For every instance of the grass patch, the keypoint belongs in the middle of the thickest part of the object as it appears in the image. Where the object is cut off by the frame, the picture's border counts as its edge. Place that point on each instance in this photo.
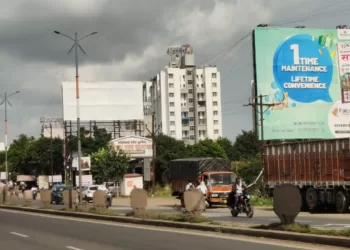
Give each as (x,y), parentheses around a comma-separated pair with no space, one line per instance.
(161,191)
(261,202)
(92,210)
(300,228)
(178,217)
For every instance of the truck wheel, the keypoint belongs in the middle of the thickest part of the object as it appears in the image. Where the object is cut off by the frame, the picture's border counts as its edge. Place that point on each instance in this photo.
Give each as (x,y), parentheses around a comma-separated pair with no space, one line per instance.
(311,198)
(341,202)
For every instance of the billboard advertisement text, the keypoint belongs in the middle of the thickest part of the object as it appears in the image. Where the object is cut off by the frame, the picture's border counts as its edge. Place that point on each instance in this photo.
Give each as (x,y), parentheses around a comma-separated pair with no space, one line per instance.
(305,74)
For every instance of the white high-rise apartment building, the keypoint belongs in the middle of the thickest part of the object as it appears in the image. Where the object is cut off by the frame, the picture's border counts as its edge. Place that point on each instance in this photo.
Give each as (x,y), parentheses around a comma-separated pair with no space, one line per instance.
(186,99)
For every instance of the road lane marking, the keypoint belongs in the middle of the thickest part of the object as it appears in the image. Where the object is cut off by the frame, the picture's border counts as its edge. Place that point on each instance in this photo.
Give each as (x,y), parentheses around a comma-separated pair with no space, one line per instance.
(233,237)
(73,248)
(18,234)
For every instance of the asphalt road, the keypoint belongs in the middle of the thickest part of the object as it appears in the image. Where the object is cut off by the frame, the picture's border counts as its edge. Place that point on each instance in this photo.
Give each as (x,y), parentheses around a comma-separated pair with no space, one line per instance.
(261,217)
(26,231)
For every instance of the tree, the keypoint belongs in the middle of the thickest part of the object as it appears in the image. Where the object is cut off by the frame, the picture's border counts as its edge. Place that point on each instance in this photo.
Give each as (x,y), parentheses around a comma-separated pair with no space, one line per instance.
(40,156)
(167,149)
(108,164)
(207,148)
(28,155)
(18,154)
(226,144)
(246,146)
(250,169)
(89,144)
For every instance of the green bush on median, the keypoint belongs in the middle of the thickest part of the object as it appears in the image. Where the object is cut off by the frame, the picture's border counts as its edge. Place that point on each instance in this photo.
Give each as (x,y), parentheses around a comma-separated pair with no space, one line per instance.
(177,217)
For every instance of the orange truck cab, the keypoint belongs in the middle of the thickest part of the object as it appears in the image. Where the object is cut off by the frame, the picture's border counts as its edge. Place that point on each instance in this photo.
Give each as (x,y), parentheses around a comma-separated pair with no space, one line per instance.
(215,172)
(219,184)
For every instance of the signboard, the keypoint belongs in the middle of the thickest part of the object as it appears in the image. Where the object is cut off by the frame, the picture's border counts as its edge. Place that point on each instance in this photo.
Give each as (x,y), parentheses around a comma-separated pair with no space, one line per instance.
(305,75)
(85,163)
(2,175)
(25,178)
(180,50)
(86,180)
(134,146)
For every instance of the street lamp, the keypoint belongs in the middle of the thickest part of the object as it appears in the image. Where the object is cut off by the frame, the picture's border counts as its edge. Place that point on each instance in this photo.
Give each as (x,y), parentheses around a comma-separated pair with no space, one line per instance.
(6,101)
(75,46)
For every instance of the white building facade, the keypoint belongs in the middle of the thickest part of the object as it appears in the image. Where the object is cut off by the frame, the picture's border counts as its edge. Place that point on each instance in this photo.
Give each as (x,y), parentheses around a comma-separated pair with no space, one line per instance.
(186,99)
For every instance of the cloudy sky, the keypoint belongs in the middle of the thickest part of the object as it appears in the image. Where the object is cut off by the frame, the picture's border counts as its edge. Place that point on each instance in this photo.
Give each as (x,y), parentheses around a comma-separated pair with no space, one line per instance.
(131,45)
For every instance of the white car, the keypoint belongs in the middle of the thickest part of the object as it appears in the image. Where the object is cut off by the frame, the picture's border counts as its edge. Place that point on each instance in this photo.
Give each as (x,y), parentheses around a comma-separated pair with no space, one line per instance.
(88,192)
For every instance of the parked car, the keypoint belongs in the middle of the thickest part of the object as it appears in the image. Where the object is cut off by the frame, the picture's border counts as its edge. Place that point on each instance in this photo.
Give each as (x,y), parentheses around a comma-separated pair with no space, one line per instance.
(57,193)
(88,193)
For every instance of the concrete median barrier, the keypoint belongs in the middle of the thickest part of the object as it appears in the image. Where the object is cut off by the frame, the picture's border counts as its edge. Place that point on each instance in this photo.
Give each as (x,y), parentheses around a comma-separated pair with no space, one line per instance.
(288,236)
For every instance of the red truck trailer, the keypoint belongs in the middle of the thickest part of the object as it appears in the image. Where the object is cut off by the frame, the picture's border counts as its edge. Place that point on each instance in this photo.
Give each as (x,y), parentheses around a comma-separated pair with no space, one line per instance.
(320,169)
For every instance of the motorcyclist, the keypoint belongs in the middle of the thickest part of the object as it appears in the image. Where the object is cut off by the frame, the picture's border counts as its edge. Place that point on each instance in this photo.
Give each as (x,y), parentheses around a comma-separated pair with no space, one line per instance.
(237,190)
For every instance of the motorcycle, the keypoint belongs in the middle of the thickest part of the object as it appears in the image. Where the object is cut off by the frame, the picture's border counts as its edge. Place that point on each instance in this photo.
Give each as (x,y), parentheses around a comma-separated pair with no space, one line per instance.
(243,206)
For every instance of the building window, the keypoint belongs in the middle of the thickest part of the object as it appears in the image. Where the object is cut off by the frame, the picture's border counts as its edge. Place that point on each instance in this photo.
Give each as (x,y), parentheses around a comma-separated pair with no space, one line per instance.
(215,94)
(192,137)
(171,94)
(190,100)
(189,82)
(172,104)
(191,109)
(190,91)
(214,84)
(172,123)
(215,112)
(216,122)
(215,103)
(172,132)
(172,113)
(171,85)
(189,72)
(216,131)
(171,76)
(191,118)
(191,127)
(213,75)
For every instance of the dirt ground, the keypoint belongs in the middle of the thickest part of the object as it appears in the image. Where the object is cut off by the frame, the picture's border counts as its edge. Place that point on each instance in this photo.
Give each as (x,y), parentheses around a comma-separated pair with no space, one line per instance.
(152,202)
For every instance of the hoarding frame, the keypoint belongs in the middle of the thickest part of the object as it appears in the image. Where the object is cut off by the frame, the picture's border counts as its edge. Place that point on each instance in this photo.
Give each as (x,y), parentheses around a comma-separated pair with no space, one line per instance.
(334,80)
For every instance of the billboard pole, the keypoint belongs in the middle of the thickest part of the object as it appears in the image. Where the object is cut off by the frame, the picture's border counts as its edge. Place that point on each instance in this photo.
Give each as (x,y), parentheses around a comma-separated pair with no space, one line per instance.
(75,46)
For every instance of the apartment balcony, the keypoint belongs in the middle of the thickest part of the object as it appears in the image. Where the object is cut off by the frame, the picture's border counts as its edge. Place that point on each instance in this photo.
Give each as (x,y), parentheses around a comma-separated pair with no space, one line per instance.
(201,98)
(200,90)
(186,127)
(185,118)
(201,108)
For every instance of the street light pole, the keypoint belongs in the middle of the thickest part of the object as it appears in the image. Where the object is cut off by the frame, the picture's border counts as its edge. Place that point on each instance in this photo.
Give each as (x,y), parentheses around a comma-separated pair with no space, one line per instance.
(6,101)
(75,46)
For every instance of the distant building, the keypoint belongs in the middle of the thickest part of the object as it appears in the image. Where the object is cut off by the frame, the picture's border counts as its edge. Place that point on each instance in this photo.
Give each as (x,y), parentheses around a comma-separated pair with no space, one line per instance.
(186,99)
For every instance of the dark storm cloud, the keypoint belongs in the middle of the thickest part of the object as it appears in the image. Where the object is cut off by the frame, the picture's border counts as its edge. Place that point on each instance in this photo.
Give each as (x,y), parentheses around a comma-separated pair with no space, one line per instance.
(131,45)
(123,28)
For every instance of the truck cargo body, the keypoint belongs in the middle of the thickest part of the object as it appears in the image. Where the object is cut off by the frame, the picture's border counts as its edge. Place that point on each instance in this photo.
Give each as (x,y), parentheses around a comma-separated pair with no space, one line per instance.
(216,173)
(321,170)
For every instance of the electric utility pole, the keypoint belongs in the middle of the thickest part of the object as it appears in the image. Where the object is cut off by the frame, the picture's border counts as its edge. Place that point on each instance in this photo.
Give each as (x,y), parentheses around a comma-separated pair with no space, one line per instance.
(261,111)
(75,46)
(44,122)
(153,134)
(6,101)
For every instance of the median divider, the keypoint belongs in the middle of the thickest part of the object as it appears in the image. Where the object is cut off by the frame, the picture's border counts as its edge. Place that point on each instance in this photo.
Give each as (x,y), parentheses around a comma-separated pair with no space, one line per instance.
(261,233)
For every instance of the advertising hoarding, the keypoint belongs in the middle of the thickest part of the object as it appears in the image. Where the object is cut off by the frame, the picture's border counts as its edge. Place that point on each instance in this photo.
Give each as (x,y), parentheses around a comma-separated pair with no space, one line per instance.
(305,73)
(85,163)
(103,101)
(134,146)
(86,180)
